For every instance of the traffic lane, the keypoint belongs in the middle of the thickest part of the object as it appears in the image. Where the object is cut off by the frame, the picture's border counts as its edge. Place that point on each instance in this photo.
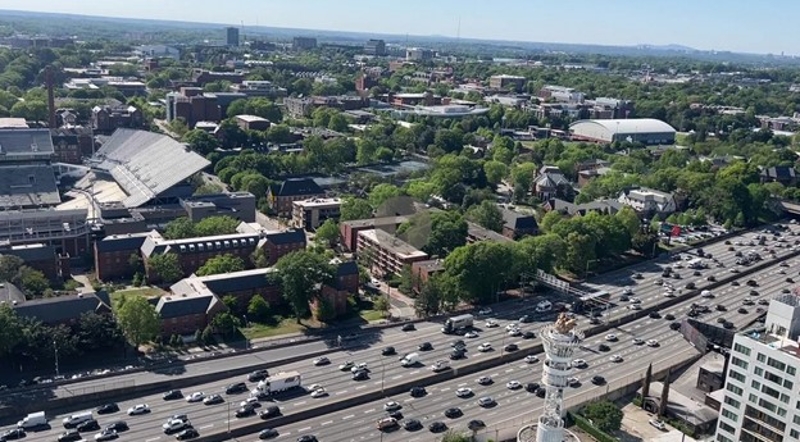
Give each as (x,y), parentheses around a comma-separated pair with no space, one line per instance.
(442,396)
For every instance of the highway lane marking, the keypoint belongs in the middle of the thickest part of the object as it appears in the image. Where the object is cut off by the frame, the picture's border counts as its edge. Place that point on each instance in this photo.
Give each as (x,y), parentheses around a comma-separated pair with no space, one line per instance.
(205,426)
(445,389)
(343,392)
(397,377)
(300,403)
(361,387)
(303,430)
(327,423)
(153,438)
(349,416)
(415,372)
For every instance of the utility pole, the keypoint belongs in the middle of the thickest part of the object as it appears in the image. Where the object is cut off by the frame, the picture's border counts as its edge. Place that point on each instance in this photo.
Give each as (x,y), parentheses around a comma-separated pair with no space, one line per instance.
(55,348)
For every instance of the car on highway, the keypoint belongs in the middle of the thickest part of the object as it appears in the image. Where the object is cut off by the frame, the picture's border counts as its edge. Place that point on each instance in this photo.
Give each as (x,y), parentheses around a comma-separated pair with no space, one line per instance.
(654,315)
(634,307)
(437,427)
(254,401)
(418,391)
(638,341)
(138,409)
(603,347)
(412,425)
(458,344)
(106,435)
(69,436)
(486,346)
(117,426)
(531,359)
(268,433)
(652,343)
(743,311)
(598,380)
(347,365)
(247,410)
(388,351)
(408,327)
(615,358)
(361,366)
(475,425)
(235,388)
(486,401)
(322,360)
(525,319)
(529,335)
(425,346)
(511,347)
(669,317)
(490,323)
(392,406)
(13,434)
(269,411)
(175,425)
(360,375)
(189,433)
(458,354)
(532,387)
(108,408)
(197,396)
(386,423)
(573,381)
(512,326)
(514,332)
(485,311)
(257,375)
(90,425)
(440,365)
(453,413)
(172,395)
(690,285)
(213,399)
(464,392)
(485,380)
(513,385)
(611,337)
(319,392)
(657,423)
(471,335)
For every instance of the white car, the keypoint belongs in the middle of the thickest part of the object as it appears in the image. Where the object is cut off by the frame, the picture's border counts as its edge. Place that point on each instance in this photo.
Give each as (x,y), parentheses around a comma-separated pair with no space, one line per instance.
(173,425)
(579,363)
(346,366)
(573,381)
(359,367)
(513,385)
(652,343)
(319,392)
(514,332)
(440,366)
(615,358)
(250,401)
(490,323)
(391,406)
(512,326)
(635,300)
(634,307)
(658,424)
(627,291)
(638,341)
(195,397)
(471,335)
(313,387)
(531,359)
(485,311)
(669,294)
(106,435)
(611,337)
(138,409)
(485,380)
(464,392)
(322,361)
(486,346)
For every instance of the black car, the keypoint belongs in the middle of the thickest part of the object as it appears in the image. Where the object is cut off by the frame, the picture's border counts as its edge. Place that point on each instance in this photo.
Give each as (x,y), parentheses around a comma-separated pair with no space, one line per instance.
(511,347)
(258,375)
(360,375)
(108,408)
(721,308)
(637,276)
(532,387)
(457,354)
(117,426)
(528,335)
(412,425)
(735,283)
(307,438)
(69,436)
(669,317)
(598,380)
(90,425)
(624,298)
(388,351)
(270,411)
(526,319)
(173,395)
(721,320)
(711,278)
(541,392)
(675,326)
(396,414)
(458,343)
(752,283)
(690,285)
(239,387)
(418,391)
(595,321)
(743,311)
(425,346)
(475,425)
(13,434)
(408,327)
(268,433)
(603,347)
(437,427)
(453,412)
(728,325)
(790,280)
(696,273)
(655,315)
(247,410)
(189,433)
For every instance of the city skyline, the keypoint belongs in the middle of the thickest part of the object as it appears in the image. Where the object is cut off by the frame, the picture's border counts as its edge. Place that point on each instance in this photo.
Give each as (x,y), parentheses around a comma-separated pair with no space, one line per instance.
(623,23)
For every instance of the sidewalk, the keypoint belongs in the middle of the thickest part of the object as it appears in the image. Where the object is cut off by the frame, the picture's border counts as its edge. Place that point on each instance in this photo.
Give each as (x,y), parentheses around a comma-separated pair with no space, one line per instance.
(402,305)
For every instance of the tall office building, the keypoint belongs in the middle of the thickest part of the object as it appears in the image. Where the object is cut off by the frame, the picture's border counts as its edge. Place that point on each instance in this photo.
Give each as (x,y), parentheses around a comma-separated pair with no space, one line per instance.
(233,36)
(761,402)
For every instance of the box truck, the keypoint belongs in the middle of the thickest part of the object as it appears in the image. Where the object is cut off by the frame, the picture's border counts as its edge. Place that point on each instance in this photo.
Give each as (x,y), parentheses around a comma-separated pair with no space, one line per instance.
(452,324)
(33,420)
(280,382)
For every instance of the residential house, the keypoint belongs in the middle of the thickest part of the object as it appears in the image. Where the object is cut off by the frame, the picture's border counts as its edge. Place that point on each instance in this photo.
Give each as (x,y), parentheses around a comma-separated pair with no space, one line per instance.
(476,233)
(648,201)
(516,225)
(281,196)
(605,206)
(65,309)
(550,182)
(785,175)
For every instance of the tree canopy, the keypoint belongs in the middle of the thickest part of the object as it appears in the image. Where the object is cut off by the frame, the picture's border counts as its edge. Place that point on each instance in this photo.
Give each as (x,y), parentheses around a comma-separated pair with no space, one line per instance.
(301,275)
(138,320)
(225,263)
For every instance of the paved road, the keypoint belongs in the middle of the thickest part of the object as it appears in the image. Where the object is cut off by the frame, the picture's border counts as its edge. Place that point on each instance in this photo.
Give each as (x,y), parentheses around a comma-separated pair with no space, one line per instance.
(339,385)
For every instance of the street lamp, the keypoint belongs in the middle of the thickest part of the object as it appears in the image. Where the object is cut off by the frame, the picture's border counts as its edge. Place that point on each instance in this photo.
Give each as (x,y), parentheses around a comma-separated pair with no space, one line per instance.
(55,348)
(246,341)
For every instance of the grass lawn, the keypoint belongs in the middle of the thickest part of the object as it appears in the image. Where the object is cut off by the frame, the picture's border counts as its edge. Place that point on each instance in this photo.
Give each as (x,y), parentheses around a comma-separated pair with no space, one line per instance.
(147,292)
(285,326)
(370,315)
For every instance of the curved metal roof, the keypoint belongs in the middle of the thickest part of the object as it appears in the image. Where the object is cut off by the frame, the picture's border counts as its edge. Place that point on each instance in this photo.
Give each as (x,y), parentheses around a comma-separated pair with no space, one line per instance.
(628,126)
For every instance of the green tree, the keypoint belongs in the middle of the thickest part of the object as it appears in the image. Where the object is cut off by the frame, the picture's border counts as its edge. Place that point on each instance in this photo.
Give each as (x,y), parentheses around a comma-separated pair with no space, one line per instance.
(94,332)
(338,122)
(469,266)
(198,337)
(258,309)
(549,220)
(259,258)
(10,329)
(448,231)
(34,110)
(454,436)
(327,234)
(488,215)
(324,310)
(226,324)
(382,193)
(225,263)
(605,416)
(179,228)
(201,141)
(231,303)
(9,266)
(138,320)
(495,171)
(208,189)
(630,220)
(31,281)
(301,274)
(167,267)
(216,225)
(382,305)
(355,208)
(580,253)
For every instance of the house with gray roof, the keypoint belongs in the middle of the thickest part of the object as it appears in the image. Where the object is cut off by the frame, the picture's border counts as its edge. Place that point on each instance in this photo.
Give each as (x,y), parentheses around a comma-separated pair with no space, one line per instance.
(64,309)
(603,206)
(188,310)
(517,225)
(281,196)
(549,182)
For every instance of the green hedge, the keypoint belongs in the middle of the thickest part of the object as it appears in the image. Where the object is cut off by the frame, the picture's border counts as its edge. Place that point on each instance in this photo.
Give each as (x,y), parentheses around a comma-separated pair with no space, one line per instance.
(586,426)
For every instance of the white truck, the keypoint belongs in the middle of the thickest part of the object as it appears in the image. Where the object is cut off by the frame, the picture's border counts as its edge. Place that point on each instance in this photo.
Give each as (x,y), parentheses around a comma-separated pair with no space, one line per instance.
(452,324)
(279,382)
(409,360)
(33,420)
(544,306)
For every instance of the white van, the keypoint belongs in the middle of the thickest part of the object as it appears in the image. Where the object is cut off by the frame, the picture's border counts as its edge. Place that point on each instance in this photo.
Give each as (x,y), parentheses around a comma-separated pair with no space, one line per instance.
(409,359)
(76,419)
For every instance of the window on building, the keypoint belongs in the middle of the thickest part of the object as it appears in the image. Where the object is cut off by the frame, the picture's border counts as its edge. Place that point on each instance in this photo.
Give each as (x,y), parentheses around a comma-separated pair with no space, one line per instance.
(732,402)
(726,427)
(737,391)
(721,438)
(794,434)
(763,403)
(759,371)
(738,362)
(776,363)
(791,370)
(736,375)
(761,357)
(770,391)
(788,384)
(772,377)
(756,385)
(729,414)
(739,348)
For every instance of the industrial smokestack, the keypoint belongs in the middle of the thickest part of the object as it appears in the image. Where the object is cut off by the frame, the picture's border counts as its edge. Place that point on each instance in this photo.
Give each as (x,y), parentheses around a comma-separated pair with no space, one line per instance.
(51,100)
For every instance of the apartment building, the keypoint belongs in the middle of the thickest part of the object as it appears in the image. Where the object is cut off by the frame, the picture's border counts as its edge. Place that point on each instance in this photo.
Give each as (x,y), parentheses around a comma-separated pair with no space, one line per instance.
(504,81)
(375,47)
(644,200)
(561,94)
(349,230)
(303,107)
(384,253)
(311,213)
(107,119)
(282,196)
(112,255)
(762,403)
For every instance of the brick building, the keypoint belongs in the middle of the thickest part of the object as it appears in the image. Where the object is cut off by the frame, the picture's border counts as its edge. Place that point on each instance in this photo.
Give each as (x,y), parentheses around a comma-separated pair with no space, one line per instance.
(112,254)
(41,257)
(185,313)
(345,284)
(202,77)
(281,196)
(107,119)
(503,81)
(312,213)
(72,144)
(384,253)
(303,107)
(349,229)
(65,309)
(421,272)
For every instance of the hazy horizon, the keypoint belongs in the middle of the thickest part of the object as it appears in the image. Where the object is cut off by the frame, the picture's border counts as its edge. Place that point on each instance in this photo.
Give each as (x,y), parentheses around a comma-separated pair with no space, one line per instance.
(703,26)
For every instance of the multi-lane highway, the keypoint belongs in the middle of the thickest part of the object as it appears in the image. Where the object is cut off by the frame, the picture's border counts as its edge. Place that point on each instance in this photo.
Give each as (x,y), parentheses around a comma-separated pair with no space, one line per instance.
(386,371)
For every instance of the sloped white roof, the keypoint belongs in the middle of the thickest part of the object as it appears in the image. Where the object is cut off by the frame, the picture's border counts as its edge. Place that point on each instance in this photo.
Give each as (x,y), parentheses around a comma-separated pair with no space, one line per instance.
(145,164)
(628,126)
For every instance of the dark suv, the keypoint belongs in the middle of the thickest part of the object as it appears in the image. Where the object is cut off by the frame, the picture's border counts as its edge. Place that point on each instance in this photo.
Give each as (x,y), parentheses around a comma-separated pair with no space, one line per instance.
(238,387)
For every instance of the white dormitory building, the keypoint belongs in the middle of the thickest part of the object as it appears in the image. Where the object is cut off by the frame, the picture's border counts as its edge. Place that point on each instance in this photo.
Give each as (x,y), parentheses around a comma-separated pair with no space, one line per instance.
(762,387)
(643,199)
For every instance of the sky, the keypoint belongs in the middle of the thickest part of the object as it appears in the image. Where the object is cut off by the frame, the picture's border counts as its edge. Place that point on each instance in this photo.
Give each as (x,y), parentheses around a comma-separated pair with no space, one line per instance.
(734,25)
